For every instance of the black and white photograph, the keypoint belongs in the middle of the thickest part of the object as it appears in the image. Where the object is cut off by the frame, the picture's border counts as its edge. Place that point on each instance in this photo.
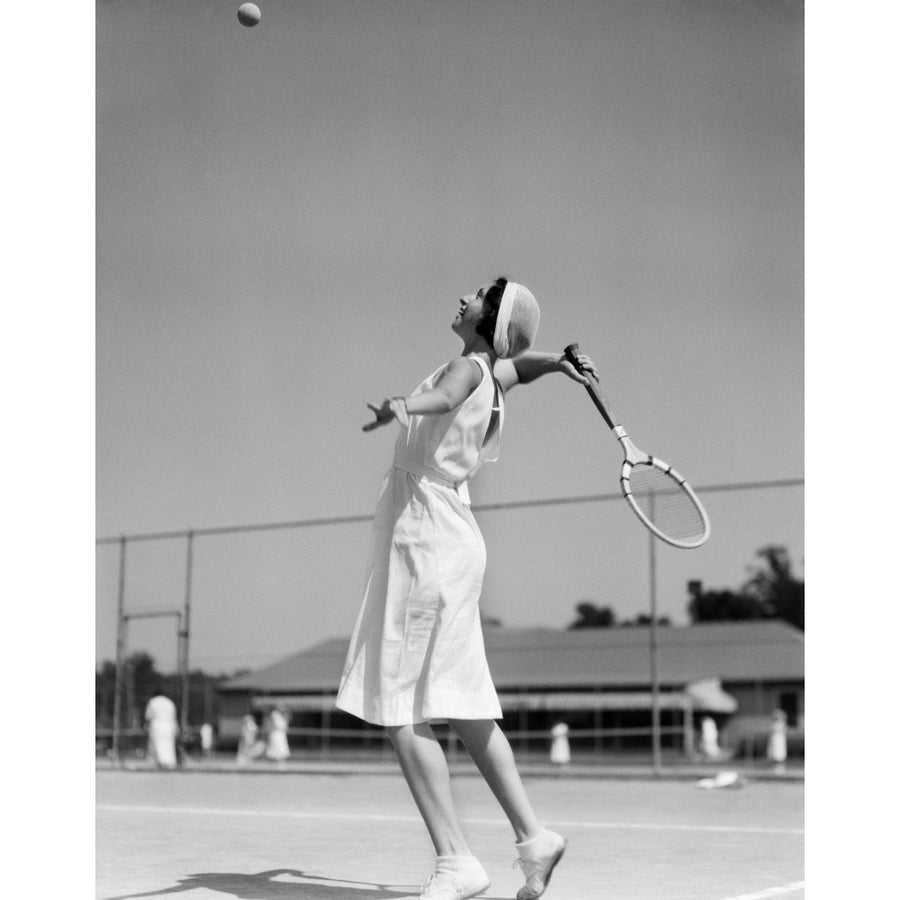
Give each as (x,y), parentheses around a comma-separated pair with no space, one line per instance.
(449,449)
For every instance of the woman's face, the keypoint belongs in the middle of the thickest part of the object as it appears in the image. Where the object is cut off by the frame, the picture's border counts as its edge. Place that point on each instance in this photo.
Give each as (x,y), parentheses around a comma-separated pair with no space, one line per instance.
(470,311)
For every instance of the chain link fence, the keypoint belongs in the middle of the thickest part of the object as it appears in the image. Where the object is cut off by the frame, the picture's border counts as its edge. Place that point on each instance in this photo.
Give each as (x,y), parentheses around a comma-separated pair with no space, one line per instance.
(202,599)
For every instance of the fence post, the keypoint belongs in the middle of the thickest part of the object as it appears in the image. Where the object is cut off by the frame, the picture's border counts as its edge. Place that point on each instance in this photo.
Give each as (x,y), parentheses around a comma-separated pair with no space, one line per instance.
(185,636)
(687,714)
(120,652)
(325,739)
(654,672)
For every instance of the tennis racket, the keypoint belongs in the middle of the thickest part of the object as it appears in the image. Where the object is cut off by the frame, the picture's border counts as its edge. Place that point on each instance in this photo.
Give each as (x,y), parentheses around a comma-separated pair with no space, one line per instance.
(659,496)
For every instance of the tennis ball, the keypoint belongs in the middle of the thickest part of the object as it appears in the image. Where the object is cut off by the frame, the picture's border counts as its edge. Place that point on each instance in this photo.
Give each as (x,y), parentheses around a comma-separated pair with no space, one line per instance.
(249,14)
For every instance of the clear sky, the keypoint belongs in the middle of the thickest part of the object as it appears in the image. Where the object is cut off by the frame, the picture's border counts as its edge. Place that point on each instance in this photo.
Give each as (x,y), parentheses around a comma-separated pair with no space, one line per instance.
(287,216)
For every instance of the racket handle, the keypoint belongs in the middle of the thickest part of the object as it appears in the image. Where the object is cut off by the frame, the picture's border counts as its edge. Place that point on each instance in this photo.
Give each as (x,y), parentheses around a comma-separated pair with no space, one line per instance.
(571,355)
(593,389)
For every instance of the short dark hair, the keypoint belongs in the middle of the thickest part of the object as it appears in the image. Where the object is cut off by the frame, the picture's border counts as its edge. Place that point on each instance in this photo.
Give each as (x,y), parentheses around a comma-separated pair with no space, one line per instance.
(490,308)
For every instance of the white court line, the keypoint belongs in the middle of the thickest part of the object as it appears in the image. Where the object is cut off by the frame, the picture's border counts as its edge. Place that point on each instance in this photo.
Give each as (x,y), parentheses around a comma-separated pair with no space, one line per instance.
(293,814)
(771,892)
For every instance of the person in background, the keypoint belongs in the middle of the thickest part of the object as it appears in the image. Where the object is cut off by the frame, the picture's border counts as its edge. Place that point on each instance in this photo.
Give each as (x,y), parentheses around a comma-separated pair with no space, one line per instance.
(709,738)
(777,748)
(207,739)
(162,731)
(277,748)
(560,754)
(249,746)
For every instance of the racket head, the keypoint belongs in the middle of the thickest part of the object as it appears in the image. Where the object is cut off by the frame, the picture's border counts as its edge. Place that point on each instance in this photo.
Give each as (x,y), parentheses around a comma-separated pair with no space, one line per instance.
(664,501)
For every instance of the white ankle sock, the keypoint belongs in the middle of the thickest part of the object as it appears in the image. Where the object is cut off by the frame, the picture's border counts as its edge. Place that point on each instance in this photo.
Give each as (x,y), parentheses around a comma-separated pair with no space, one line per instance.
(540,843)
(531,843)
(455,863)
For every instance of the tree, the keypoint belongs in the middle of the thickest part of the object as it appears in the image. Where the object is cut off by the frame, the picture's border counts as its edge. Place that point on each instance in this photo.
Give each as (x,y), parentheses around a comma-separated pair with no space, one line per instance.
(141,680)
(775,587)
(144,677)
(105,693)
(718,606)
(644,619)
(771,592)
(591,616)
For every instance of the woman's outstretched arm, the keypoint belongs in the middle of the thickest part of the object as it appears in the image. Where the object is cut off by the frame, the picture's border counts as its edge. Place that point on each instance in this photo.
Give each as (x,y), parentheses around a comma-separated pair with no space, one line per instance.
(534,363)
(458,381)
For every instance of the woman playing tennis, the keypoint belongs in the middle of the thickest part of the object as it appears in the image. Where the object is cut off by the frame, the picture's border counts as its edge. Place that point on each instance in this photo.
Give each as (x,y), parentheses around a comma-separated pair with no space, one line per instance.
(417,652)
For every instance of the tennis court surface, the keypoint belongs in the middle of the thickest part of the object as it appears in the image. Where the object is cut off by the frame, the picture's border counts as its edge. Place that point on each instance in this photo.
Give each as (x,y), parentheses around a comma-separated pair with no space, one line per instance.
(291,836)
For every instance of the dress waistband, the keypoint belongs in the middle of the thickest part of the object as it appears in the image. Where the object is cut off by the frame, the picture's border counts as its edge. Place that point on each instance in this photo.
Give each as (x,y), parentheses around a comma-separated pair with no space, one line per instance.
(415,468)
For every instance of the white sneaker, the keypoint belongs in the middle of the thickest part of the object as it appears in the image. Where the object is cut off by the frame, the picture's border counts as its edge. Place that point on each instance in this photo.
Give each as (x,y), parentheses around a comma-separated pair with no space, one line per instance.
(457,882)
(538,857)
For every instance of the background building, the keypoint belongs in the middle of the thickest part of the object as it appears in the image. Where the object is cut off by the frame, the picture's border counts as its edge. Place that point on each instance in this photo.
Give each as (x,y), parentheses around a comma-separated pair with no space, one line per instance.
(597,680)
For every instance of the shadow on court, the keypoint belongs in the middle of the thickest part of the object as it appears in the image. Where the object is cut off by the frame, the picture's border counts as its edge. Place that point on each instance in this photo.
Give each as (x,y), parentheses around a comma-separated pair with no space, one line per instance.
(261,886)
(202,836)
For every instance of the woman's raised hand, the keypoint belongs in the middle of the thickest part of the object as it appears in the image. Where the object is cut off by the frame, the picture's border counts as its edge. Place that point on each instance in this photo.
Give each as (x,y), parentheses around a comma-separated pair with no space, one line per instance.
(585,362)
(383,415)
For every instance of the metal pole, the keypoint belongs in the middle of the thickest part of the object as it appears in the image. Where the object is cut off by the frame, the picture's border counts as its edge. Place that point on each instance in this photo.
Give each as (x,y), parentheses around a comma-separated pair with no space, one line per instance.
(654,672)
(120,652)
(185,636)
(687,721)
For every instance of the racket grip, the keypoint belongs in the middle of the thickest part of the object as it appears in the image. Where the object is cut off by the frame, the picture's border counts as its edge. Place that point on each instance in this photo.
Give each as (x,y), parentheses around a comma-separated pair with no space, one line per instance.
(571,353)
(593,389)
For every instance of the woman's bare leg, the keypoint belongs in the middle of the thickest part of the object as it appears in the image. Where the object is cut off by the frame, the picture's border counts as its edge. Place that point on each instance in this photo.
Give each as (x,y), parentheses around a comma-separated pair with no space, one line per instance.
(425,769)
(490,749)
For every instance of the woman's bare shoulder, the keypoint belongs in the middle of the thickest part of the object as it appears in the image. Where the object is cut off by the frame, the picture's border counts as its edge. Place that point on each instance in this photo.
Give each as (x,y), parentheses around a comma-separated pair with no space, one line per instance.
(505,372)
(463,369)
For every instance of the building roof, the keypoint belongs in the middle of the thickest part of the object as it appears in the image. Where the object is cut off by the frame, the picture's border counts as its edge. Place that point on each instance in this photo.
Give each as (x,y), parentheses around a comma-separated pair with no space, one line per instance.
(595,658)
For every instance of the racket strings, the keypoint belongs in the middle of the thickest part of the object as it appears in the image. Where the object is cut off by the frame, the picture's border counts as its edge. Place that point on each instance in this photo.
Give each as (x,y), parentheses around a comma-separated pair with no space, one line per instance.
(666,504)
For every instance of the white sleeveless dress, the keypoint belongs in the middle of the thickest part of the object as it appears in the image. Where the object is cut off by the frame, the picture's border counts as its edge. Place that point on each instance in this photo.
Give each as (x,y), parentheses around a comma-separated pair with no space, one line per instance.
(417,651)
